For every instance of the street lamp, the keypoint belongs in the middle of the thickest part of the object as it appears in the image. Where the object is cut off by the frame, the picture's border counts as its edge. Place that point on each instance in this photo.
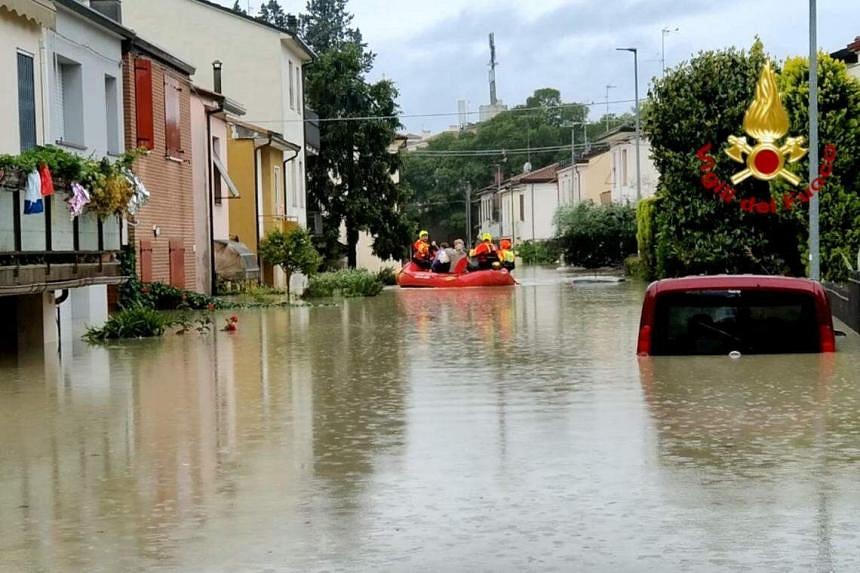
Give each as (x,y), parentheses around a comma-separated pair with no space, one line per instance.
(636,91)
(608,87)
(814,253)
(663,33)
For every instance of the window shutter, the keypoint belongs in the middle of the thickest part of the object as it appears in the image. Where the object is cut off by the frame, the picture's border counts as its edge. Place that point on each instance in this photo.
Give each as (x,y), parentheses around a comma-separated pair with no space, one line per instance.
(143,103)
(172,135)
(60,128)
(26,102)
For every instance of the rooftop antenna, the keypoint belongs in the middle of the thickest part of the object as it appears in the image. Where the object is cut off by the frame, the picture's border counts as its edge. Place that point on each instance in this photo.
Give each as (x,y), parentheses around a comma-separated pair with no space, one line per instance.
(492,69)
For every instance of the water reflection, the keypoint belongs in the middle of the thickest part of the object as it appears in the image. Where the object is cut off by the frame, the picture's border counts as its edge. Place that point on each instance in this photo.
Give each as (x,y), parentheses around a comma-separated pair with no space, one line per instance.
(478,429)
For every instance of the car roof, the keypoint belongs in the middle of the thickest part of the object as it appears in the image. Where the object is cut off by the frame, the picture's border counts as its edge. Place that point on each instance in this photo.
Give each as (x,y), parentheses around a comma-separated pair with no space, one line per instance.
(719,282)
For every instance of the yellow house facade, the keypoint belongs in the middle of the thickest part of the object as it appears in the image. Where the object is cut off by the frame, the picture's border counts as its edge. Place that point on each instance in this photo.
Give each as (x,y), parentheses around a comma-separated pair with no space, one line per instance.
(257,166)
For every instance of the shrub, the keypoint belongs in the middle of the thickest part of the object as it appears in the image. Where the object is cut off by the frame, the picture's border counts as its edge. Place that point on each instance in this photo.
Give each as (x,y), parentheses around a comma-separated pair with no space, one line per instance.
(134,322)
(634,267)
(292,250)
(646,263)
(387,276)
(347,283)
(596,235)
(539,252)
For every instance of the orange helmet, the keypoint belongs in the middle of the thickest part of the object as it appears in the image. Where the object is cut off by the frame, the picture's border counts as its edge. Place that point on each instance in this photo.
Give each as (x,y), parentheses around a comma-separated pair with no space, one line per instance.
(505,244)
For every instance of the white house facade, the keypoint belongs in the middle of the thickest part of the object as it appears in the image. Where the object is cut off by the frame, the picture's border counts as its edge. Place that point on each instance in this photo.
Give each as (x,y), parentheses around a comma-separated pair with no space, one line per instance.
(261,67)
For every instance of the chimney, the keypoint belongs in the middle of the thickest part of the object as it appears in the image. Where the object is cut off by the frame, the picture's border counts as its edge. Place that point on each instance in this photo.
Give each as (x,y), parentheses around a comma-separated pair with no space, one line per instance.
(216,72)
(292,24)
(110,8)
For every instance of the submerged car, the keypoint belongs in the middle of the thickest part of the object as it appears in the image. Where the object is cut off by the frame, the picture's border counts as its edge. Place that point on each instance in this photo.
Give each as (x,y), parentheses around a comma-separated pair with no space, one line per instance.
(746,314)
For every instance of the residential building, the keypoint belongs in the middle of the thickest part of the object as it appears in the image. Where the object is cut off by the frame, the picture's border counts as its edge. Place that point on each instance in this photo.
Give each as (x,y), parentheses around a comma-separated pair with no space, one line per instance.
(257,161)
(262,67)
(622,150)
(594,182)
(849,54)
(214,189)
(523,207)
(157,107)
(69,68)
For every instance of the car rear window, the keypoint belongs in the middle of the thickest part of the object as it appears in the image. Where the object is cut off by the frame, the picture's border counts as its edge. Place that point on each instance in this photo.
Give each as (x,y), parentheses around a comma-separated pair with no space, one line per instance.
(722,321)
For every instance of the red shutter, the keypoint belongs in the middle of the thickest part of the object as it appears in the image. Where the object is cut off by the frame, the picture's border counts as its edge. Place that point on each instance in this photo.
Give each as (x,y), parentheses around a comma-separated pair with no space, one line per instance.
(143,103)
(177,264)
(145,261)
(173,140)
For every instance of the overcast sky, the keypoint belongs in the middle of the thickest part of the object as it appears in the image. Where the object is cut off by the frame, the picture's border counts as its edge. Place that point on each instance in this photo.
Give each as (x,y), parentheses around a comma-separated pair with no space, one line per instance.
(437,51)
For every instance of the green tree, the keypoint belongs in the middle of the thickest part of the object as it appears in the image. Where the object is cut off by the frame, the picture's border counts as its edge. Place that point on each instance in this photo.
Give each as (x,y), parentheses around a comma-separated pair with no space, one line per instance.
(839,125)
(292,250)
(704,101)
(272,13)
(238,9)
(352,177)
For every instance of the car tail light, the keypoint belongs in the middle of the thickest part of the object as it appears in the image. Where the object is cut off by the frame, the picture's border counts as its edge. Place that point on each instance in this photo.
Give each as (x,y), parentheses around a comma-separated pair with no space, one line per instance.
(643,348)
(827,338)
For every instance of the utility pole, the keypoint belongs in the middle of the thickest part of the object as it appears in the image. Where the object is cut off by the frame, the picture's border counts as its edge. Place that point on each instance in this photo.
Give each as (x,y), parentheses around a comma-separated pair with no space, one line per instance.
(663,33)
(636,91)
(468,215)
(814,249)
(608,87)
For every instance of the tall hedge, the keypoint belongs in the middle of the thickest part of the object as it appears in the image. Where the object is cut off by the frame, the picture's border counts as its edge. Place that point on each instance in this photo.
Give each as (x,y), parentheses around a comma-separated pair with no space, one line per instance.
(704,101)
(595,236)
(646,212)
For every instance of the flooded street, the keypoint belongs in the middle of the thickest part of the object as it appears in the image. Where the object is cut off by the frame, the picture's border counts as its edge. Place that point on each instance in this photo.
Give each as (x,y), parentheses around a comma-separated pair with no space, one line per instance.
(499,429)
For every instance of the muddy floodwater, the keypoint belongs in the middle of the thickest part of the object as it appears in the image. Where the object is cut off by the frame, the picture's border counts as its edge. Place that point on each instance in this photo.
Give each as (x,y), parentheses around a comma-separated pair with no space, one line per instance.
(504,429)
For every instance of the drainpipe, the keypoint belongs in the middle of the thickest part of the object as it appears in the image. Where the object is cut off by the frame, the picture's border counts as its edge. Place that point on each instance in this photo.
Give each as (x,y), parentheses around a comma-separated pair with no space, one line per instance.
(286,203)
(210,183)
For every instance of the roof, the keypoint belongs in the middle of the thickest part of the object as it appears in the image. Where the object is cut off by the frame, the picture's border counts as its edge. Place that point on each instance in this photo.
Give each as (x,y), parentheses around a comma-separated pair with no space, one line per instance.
(97,17)
(620,133)
(721,282)
(298,39)
(848,54)
(230,105)
(139,44)
(542,175)
(251,131)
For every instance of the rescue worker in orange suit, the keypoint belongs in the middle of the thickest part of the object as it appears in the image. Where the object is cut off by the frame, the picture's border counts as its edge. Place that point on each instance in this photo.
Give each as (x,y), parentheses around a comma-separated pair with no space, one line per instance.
(484,255)
(422,254)
(506,255)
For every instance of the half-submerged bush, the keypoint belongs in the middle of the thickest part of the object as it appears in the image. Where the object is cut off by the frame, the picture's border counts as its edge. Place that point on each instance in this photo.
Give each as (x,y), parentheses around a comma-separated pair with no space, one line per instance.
(387,276)
(539,252)
(597,235)
(135,322)
(346,283)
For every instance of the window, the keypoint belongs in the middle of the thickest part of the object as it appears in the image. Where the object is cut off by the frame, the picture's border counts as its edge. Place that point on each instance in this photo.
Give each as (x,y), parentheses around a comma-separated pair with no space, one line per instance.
(26,102)
(718,322)
(143,103)
(301,189)
(295,180)
(172,117)
(624,180)
(277,201)
(292,94)
(69,102)
(522,207)
(112,116)
(216,173)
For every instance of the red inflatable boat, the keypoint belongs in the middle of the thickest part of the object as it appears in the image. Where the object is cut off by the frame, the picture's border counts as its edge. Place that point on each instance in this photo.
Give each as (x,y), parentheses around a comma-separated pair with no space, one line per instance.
(412,276)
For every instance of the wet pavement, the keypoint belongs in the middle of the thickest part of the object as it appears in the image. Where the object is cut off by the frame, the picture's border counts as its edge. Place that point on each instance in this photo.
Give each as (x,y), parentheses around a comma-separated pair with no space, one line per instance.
(500,429)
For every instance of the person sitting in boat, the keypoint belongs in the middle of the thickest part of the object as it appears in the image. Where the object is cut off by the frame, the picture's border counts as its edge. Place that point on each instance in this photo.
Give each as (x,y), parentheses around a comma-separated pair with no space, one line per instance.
(458,254)
(506,255)
(421,252)
(484,255)
(442,260)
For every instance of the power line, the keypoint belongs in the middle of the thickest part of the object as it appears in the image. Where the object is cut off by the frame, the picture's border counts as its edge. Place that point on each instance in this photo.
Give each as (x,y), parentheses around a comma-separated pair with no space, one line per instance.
(427,115)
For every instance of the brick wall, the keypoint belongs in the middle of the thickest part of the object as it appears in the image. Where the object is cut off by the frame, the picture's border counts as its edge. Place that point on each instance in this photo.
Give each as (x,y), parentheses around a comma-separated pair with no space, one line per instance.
(168,180)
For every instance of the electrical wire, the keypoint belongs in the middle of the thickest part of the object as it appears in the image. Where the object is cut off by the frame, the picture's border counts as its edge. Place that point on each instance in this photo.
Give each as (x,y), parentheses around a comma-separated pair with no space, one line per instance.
(427,115)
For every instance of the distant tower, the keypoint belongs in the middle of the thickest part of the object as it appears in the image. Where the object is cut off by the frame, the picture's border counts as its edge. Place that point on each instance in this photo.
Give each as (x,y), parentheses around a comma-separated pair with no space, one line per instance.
(492,69)
(462,112)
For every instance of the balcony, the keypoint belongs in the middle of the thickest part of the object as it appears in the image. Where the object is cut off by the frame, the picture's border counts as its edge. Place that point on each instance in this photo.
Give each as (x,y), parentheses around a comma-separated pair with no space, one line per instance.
(49,251)
(312,132)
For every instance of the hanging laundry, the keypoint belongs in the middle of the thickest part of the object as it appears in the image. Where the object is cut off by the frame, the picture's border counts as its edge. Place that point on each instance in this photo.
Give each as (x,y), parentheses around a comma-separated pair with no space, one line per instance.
(80,198)
(139,197)
(33,194)
(46,180)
